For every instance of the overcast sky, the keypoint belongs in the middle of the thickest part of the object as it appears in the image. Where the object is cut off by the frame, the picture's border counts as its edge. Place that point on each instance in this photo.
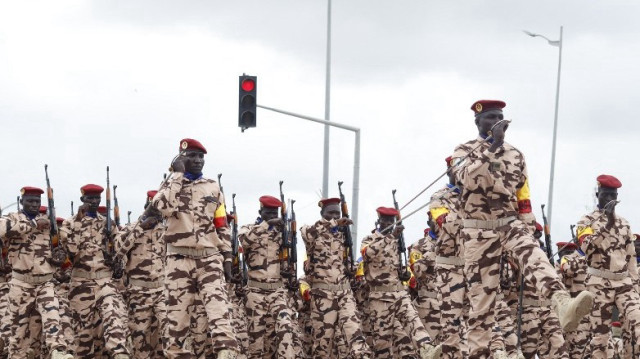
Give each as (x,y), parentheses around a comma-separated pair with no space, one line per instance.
(86,84)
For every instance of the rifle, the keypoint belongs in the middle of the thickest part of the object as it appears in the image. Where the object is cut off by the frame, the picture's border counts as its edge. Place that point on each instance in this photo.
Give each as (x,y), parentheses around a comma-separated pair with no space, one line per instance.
(402,247)
(547,236)
(346,230)
(108,246)
(520,308)
(116,208)
(293,251)
(18,203)
(286,245)
(72,208)
(53,225)
(128,217)
(235,243)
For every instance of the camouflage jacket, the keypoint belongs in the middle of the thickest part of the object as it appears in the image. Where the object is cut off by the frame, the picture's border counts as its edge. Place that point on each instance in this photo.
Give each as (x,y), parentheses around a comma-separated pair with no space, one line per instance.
(573,272)
(609,249)
(195,213)
(324,244)
(443,210)
(422,257)
(381,260)
(261,245)
(30,249)
(84,240)
(144,251)
(493,185)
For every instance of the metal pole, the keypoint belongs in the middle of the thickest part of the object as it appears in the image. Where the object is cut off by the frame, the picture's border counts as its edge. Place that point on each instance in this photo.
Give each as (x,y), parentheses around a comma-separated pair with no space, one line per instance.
(356,190)
(327,108)
(555,132)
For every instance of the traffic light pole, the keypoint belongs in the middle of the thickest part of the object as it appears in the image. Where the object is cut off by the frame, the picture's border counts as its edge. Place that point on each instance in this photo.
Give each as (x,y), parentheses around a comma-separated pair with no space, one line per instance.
(356,163)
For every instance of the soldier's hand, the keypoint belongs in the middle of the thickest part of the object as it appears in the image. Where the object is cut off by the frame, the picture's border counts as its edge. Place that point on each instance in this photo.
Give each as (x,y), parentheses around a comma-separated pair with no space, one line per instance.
(108,259)
(118,268)
(43,224)
(178,164)
(398,230)
(228,273)
(497,133)
(62,277)
(148,222)
(276,222)
(58,256)
(343,222)
(82,210)
(405,276)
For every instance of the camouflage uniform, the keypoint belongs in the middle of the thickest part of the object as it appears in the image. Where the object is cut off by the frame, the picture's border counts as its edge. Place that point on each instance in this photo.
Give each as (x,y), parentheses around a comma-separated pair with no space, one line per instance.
(573,272)
(196,250)
(332,302)
(5,316)
(497,217)
(390,309)
(616,344)
(144,252)
(32,301)
(422,258)
(452,289)
(98,313)
(611,272)
(271,328)
(304,316)
(237,296)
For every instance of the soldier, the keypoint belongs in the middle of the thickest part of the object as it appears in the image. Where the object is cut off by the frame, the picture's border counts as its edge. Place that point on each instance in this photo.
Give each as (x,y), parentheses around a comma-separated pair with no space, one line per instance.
(62,276)
(5,317)
(607,241)
(573,272)
(496,217)
(271,328)
(32,301)
(389,301)
(198,252)
(422,260)
(98,313)
(332,301)
(141,245)
(615,344)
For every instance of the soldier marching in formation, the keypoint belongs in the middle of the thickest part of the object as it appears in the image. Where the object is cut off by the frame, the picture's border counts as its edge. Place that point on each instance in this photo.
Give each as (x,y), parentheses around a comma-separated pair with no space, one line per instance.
(184,282)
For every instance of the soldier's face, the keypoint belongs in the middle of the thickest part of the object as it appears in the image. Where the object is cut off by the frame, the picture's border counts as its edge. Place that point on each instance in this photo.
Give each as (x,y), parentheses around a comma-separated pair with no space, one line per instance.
(31,204)
(330,211)
(386,222)
(636,243)
(193,161)
(487,120)
(267,213)
(92,201)
(606,195)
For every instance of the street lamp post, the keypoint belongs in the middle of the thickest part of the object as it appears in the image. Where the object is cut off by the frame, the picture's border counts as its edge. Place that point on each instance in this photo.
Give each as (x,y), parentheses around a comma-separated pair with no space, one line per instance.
(558,44)
(327,109)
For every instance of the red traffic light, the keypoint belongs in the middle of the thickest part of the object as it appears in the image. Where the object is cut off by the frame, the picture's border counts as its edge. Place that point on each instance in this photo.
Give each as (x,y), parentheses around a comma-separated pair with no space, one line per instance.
(248,85)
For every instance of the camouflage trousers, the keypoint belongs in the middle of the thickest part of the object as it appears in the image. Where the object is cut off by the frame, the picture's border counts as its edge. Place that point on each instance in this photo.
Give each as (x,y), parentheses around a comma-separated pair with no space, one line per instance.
(270,324)
(617,348)
(34,313)
(304,322)
(482,254)
(578,340)
(237,297)
(186,279)
(99,317)
(428,306)
(61,292)
(453,293)
(146,321)
(542,334)
(5,317)
(504,335)
(608,293)
(335,309)
(390,312)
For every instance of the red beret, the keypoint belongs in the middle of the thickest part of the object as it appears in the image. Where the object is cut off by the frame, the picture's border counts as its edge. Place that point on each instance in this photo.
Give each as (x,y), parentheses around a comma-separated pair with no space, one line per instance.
(43,209)
(151,193)
(637,237)
(539,227)
(426,231)
(568,246)
(102,210)
(449,161)
(230,218)
(31,191)
(59,220)
(608,181)
(91,189)
(387,211)
(616,324)
(269,202)
(481,106)
(327,201)
(191,144)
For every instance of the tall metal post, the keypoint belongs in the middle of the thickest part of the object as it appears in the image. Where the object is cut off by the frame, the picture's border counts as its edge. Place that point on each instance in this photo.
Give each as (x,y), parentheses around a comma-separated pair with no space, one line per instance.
(327,109)
(555,132)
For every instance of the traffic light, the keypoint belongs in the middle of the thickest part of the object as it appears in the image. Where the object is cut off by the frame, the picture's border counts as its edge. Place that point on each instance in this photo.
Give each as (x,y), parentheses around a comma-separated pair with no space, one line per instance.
(247,102)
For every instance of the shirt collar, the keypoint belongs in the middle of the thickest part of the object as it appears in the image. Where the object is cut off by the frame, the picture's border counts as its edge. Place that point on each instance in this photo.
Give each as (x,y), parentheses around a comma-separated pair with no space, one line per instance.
(456,190)
(192,176)
(31,218)
(484,137)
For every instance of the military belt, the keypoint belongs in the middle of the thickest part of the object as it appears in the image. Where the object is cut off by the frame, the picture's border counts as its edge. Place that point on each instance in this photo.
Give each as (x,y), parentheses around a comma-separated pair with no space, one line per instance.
(79,273)
(32,279)
(265,286)
(191,252)
(454,261)
(147,284)
(493,224)
(606,274)
(388,288)
(528,302)
(334,287)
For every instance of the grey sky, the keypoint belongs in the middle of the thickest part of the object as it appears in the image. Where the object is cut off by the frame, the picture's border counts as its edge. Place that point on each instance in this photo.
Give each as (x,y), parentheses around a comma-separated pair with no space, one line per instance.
(86,84)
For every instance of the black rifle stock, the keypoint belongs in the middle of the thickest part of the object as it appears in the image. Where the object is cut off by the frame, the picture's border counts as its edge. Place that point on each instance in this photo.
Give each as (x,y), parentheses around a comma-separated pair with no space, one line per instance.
(346,230)
(547,236)
(402,247)
(53,225)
